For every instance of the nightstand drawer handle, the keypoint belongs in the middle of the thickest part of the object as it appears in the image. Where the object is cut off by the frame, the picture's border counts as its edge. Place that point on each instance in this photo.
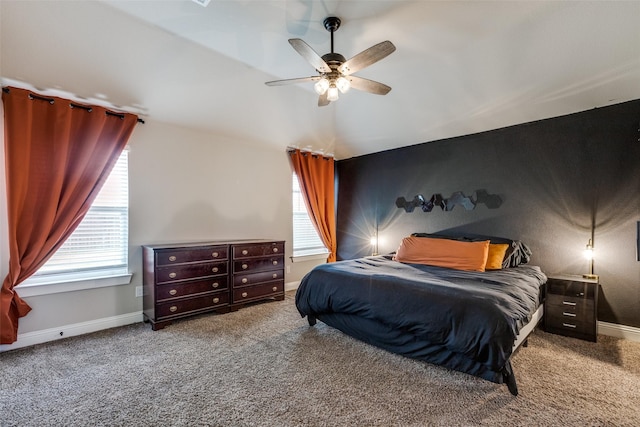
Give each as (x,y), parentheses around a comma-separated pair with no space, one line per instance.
(275,275)
(216,300)
(215,285)
(245,266)
(244,252)
(564,313)
(569,325)
(275,262)
(173,309)
(172,275)
(244,295)
(214,269)
(215,254)
(275,249)
(568,303)
(172,258)
(245,280)
(173,292)
(274,289)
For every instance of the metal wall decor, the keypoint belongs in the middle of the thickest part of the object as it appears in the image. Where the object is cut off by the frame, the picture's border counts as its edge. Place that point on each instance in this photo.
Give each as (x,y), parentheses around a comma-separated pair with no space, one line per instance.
(491,201)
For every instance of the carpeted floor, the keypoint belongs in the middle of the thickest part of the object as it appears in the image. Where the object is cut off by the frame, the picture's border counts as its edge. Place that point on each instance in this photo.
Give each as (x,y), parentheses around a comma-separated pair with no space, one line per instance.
(264,366)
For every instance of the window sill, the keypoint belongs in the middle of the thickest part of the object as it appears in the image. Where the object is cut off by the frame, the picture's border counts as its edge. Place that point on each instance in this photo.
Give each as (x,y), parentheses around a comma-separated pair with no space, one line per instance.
(303,258)
(36,289)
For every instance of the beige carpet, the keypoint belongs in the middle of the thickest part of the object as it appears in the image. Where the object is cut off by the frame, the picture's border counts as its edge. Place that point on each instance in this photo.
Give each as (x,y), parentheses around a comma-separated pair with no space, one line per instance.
(264,366)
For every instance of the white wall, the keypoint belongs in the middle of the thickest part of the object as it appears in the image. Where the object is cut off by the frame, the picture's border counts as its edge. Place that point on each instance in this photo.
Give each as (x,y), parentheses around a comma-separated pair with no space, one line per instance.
(185,185)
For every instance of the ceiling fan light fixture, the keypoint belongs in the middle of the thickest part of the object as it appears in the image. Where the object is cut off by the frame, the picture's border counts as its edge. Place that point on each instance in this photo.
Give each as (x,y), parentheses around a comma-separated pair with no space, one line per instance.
(343,84)
(332,93)
(321,86)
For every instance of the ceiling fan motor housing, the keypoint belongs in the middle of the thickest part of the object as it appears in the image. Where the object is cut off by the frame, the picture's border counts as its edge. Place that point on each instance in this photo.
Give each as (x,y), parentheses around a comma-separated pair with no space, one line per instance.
(332,23)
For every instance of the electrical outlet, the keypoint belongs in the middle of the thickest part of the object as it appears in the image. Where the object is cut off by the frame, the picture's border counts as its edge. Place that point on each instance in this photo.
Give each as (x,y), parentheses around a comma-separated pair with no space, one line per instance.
(138,291)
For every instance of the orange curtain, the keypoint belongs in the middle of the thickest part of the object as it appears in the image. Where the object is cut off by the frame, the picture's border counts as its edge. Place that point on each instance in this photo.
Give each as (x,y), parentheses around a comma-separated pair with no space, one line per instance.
(57,156)
(316,176)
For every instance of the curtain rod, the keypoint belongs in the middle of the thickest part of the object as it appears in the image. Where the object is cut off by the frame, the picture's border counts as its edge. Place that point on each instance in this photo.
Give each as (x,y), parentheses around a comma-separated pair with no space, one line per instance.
(72,105)
(304,151)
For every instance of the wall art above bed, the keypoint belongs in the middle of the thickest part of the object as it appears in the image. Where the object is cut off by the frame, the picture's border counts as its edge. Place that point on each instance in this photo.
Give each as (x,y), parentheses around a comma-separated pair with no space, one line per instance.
(491,201)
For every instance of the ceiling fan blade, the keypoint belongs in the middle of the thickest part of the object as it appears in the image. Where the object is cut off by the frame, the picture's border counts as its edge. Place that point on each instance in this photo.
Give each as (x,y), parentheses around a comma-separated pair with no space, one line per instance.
(310,55)
(323,100)
(367,57)
(367,85)
(292,81)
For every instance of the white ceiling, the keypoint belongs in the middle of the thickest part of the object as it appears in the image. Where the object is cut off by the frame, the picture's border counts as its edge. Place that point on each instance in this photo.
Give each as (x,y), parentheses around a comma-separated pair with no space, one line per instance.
(459,68)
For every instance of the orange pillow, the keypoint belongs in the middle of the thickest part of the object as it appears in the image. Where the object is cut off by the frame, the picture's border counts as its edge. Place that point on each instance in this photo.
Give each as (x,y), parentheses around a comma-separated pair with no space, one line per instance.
(496,256)
(469,256)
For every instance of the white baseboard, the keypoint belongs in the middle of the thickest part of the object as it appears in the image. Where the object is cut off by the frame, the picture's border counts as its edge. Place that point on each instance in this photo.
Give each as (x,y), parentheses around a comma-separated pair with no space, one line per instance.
(291,286)
(619,331)
(53,334)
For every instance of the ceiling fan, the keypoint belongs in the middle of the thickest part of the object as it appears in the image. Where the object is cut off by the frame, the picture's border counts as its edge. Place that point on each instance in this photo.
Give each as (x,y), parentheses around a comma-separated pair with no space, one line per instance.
(335,72)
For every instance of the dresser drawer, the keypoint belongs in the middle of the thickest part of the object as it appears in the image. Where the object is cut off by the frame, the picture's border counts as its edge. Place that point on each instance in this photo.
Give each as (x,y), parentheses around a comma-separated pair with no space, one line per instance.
(182,289)
(194,254)
(181,306)
(257,249)
(249,293)
(190,271)
(252,279)
(258,264)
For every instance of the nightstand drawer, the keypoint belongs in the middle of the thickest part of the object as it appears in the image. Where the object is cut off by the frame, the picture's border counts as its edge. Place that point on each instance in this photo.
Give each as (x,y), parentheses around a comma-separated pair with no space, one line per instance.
(570,288)
(574,304)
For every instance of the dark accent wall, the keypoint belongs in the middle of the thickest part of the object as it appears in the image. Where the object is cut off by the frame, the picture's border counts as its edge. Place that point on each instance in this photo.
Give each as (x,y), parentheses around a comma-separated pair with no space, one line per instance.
(556,178)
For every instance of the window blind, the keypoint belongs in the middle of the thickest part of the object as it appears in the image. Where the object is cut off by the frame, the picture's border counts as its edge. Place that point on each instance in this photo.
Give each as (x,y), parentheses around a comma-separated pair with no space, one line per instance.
(100,242)
(305,237)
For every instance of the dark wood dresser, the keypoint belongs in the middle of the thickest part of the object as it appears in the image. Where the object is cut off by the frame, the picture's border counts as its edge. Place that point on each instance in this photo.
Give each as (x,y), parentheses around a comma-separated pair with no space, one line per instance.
(571,307)
(181,280)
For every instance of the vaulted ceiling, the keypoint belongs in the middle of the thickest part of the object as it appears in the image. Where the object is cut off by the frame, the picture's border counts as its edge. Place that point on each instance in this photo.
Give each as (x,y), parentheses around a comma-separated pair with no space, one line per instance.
(460,66)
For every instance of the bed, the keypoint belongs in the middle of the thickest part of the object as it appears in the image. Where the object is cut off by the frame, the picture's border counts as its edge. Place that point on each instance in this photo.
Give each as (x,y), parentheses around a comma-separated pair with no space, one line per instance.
(467,320)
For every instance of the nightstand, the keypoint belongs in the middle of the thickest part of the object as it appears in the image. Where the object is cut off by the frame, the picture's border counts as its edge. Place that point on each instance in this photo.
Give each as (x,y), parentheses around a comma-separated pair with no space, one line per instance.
(571,307)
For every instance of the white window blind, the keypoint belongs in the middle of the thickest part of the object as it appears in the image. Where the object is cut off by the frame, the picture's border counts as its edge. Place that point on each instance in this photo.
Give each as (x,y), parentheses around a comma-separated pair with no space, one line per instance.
(305,237)
(99,245)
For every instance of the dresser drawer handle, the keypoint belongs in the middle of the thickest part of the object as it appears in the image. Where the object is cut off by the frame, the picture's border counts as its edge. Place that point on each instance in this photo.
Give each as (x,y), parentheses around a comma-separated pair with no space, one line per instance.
(216,300)
(215,254)
(214,269)
(244,295)
(564,313)
(244,252)
(275,275)
(274,289)
(245,266)
(245,280)
(275,262)
(172,275)
(173,308)
(172,258)
(173,292)
(214,285)
(569,325)
(275,249)
(568,303)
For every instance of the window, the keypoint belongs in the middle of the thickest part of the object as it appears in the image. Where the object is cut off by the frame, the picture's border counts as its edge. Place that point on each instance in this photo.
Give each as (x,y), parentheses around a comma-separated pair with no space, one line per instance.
(305,237)
(99,245)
